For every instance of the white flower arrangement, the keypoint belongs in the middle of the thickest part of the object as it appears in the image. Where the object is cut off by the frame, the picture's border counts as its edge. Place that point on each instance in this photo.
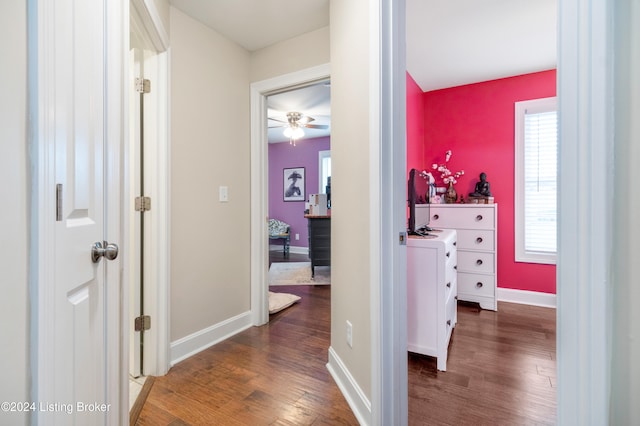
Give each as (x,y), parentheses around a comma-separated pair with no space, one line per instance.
(445,174)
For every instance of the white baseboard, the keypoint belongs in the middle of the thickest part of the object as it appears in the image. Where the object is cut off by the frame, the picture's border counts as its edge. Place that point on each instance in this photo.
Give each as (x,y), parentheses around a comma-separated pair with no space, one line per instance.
(526,297)
(356,399)
(190,345)
(292,249)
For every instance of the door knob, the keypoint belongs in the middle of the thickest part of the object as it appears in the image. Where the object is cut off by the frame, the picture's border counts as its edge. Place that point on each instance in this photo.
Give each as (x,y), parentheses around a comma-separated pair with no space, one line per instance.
(103,249)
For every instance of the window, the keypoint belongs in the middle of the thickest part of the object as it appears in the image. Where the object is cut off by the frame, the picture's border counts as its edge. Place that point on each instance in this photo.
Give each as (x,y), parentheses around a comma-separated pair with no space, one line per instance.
(324,159)
(536,139)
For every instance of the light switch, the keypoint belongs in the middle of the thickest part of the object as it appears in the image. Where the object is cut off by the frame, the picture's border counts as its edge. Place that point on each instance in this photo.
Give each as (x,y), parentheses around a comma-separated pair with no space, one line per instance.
(224,194)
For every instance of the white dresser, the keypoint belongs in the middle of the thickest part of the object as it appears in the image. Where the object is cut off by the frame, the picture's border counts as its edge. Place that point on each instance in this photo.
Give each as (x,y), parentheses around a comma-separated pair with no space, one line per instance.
(431,294)
(477,228)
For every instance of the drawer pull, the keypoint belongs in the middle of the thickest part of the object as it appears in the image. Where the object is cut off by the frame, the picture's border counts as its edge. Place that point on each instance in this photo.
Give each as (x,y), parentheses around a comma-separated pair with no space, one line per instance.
(455,267)
(449,323)
(436,217)
(479,284)
(478,240)
(479,217)
(449,284)
(455,298)
(479,262)
(448,253)
(455,243)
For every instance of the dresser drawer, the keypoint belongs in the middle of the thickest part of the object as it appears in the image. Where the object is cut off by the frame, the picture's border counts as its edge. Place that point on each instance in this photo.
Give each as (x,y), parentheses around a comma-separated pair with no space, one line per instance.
(477,262)
(450,289)
(451,259)
(451,316)
(476,239)
(476,284)
(462,217)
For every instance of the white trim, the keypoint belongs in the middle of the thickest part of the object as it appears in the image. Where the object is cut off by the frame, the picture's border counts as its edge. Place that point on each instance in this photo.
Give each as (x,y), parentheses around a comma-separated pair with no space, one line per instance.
(155,32)
(387,186)
(116,121)
(354,395)
(521,108)
(157,166)
(525,297)
(260,180)
(292,249)
(585,154)
(196,342)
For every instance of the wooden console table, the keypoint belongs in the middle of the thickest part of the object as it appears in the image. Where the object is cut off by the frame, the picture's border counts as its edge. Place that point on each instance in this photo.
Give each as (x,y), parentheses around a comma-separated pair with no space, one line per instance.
(319,241)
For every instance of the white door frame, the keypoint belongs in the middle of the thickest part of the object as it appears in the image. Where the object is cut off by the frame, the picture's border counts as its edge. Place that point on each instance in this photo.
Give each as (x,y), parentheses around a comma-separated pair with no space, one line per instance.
(260,180)
(585,229)
(387,195)
(147,26)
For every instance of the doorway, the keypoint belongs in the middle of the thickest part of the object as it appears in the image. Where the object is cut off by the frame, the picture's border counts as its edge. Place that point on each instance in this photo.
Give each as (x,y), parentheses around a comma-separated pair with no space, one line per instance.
(260,179)
(298,134)
(145,203)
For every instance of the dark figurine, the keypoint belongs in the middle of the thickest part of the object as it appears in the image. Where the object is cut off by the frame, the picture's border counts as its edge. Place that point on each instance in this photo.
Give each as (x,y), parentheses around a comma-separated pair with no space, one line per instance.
(482,187)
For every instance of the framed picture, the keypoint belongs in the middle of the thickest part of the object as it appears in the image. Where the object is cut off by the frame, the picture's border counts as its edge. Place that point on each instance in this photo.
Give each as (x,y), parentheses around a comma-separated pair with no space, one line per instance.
(293,184)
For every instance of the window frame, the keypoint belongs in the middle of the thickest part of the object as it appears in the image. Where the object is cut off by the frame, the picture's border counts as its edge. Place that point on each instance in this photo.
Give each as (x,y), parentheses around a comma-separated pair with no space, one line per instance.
(521,108)
(322,155)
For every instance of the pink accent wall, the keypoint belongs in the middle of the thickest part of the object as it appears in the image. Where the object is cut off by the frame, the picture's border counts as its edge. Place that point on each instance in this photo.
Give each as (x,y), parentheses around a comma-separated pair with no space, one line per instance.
(476,122)
(283,156)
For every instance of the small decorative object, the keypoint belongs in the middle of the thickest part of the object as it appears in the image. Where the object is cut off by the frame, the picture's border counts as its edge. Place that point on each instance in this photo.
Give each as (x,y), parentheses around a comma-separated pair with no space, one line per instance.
(431,191)
(448,178)
(451,195)
(482,192)
(294,184)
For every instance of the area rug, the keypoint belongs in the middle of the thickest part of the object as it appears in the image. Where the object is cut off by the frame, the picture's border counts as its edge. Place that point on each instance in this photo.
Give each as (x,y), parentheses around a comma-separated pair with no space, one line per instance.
(298,273)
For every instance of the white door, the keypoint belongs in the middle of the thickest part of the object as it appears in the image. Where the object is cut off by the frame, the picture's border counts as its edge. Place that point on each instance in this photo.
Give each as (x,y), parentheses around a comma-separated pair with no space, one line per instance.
(77,122)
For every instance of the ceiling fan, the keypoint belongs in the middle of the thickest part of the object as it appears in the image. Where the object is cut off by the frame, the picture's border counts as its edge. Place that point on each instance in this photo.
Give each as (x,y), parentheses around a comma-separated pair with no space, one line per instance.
(296,121)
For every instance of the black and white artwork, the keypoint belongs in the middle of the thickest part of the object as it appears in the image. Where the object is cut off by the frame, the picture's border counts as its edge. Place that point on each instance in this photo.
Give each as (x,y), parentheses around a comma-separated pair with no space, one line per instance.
(294,184)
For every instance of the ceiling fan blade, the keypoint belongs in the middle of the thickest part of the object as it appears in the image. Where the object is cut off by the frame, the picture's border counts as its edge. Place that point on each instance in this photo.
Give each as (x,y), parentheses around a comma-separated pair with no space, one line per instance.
(316,126)
(278,120)
(276,127)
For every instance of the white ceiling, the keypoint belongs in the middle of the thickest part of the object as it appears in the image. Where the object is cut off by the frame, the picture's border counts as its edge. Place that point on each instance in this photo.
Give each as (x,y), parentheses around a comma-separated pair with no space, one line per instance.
(255,24)
(456,42)
(449,42)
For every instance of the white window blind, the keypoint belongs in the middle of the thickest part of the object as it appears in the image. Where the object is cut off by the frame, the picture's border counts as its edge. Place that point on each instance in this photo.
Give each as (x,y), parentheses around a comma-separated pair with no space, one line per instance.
(536,180)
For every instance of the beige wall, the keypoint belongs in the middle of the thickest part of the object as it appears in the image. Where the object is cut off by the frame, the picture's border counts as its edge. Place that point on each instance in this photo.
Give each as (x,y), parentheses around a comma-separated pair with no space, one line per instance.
(210,147)
(14,328)
(350,285)
(298,53)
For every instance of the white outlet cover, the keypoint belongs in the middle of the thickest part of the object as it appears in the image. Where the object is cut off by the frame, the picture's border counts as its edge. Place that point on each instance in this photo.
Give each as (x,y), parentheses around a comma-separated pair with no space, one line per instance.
(223,192)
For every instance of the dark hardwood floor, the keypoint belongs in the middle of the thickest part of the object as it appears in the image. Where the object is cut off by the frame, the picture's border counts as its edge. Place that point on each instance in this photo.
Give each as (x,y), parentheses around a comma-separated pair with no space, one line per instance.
(501,371)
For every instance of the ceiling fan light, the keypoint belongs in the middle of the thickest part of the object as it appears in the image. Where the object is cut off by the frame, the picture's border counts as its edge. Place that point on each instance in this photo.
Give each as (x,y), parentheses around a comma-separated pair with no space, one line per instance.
(288,132)
(297,133)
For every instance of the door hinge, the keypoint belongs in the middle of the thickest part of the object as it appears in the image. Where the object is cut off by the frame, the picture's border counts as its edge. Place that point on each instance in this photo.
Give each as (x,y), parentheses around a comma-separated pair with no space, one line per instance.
(142,323)
(143,204)
(143,85)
